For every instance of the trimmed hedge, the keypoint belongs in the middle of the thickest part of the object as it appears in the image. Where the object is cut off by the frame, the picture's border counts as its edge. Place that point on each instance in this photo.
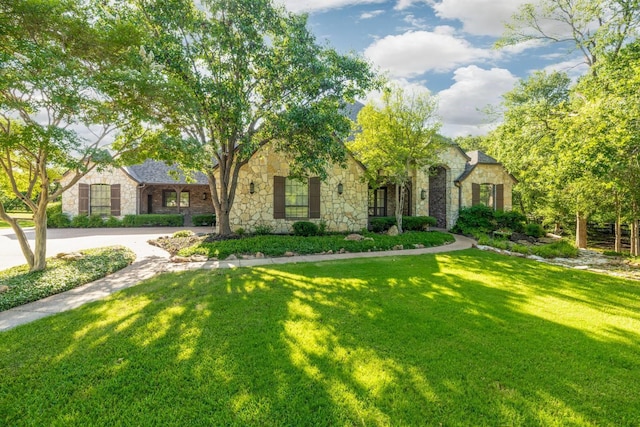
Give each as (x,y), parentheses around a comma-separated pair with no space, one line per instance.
(305,228)
(409,223)
(55,217)
(153,220)
(203,219)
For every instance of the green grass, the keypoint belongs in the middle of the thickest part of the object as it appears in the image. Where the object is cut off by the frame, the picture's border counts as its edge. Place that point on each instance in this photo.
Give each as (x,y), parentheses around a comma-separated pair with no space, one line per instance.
(25,219)
(277,245)
(468,338)
(559,249)
(61,275)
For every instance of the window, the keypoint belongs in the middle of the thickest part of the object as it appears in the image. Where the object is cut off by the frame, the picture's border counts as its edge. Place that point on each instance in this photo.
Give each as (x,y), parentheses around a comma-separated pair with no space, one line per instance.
(378,202)
(487,192)
(100,199)
(296,198)
(170,199)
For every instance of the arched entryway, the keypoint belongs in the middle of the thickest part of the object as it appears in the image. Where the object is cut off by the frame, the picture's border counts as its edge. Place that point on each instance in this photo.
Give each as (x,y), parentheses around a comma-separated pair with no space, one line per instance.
(438,195)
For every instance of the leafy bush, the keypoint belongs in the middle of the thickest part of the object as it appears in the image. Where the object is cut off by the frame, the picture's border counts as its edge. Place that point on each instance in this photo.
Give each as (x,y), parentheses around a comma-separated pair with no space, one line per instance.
(95,221)
(409,223)
(240,231)
(61,275)
(55,217)
(277,245)
(80,221)
(153,220)
(509,220)
(418,223)
(534,230)
(305,228)
(183,233)
(263,230)
(203,220)
(479,218)
(112,222)
(561,248)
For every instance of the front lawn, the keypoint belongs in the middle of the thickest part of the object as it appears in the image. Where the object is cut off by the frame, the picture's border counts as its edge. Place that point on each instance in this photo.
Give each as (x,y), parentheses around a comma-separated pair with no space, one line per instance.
(24,219)
(467,338)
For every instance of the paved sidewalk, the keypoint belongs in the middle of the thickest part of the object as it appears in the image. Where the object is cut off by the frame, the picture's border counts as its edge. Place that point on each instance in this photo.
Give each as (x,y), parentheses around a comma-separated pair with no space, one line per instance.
(146,267)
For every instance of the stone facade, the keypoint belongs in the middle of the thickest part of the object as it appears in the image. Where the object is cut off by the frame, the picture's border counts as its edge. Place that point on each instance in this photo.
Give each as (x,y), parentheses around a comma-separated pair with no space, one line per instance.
(340,212)
(453,161)
(199,199)
(110,176)
(487,174)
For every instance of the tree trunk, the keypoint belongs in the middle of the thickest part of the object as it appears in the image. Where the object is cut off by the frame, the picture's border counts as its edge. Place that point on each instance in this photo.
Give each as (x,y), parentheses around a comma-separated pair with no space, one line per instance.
(635,242)
(40,252)
(581,230)
(557,229)
(617,247)
(399,206)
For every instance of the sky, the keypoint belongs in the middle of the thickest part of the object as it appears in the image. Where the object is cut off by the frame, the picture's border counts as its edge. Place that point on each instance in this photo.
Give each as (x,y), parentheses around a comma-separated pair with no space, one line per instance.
(441,46)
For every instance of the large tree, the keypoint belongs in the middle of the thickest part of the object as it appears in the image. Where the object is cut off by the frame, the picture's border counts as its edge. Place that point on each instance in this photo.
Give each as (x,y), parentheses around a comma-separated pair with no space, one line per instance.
(397,137)
(240,74)
(66,84)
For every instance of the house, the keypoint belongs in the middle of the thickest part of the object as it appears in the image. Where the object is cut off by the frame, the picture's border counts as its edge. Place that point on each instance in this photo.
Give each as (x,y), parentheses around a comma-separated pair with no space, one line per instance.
(266,196)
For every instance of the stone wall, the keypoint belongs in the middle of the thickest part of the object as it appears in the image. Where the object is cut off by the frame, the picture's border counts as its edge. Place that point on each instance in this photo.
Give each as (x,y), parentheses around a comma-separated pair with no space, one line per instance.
(111,176)
(488,174)
(341,212)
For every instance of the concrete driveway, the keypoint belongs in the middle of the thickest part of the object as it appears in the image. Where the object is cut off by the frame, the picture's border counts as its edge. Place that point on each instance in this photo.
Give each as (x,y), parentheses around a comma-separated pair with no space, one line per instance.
(74,239)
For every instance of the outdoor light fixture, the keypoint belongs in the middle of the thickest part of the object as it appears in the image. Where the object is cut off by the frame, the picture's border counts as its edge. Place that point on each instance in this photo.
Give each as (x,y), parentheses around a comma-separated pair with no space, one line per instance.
(340,188)
(423,194)
(204,196)
(252,188)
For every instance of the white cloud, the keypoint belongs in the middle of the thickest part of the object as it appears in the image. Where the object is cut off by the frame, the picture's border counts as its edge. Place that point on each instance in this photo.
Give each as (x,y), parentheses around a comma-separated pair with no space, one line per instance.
(372,14)
(479,17)
(409,87)
(299,6)
(414,22)
(416,52)
(461,106)
(404,4)
(573,67)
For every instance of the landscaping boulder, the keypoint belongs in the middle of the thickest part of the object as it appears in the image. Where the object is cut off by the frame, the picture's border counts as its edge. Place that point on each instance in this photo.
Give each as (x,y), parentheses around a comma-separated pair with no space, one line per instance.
(3,289)
(418,246)
(231,257)
(259,255)
(180,259)
(355,237)
(398,247)
(70,256)
(199,258)
(393,231)
(289,253)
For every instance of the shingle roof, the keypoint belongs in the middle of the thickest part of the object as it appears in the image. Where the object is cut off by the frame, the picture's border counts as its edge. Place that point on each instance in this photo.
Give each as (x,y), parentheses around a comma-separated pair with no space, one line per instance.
(157,172)
(478,156)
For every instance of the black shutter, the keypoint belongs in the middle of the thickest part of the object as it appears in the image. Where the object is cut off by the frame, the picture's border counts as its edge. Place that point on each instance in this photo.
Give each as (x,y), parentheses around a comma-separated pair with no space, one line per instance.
(115,200)
(475,194)
(83,199)
(499,197)
(314,197)
(278,197)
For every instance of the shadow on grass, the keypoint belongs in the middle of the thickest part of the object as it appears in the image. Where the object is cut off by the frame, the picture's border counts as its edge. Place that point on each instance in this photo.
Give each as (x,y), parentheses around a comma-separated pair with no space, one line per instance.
(464,339)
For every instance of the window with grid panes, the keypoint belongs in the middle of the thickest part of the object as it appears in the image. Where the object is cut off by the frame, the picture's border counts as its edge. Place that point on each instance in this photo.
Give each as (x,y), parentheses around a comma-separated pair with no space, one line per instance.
(296,198)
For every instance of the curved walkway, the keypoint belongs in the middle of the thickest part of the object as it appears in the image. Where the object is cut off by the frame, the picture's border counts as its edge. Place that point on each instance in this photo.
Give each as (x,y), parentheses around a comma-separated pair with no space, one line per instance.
(154,261)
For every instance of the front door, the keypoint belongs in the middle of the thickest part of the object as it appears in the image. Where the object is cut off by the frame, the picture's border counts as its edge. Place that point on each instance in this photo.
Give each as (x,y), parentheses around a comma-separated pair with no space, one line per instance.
(149,203)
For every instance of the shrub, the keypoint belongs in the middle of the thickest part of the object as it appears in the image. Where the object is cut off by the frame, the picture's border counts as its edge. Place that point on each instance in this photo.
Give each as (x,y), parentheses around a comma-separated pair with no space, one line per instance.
(382,223)
(80,221)
(112,222)
(203,220)
(418,223)
(534,230)
(153,220)
(305,228)
(95,221)
(510,220)
(240,231)
(475,218)
(183,233)
(55,217)
(263,230)
(562,249)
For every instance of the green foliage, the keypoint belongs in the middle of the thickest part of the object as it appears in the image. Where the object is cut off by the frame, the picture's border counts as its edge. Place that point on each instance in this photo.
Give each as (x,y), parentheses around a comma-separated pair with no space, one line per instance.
(305,228)
(153,220)
(479,218)
(410,223)
(61,275)
(112,222)
(559,249)
(200,220)
(277,245)
(509,220)
(55,217)
(240,231)
(80,221)
(183,233)
(263,230)
(95,221)
(534,230)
